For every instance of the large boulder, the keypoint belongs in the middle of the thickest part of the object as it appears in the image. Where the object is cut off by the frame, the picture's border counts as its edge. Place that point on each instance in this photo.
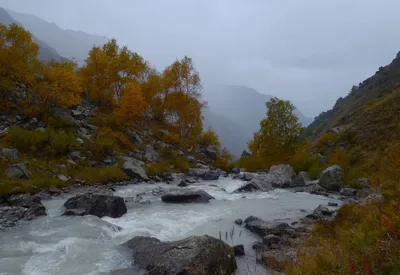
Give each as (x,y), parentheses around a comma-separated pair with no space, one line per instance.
(133,168)
(212,175)
(18,171)
(281,175)
(186,196)
(11,154)
(264,228)
(97,205)
(200,255)
(332,178)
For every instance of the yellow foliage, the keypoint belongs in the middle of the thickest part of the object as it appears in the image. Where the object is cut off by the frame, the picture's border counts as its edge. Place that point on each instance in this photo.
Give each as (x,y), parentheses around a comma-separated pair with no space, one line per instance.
(132,102)
(208,138)
(61,86)
(18,56)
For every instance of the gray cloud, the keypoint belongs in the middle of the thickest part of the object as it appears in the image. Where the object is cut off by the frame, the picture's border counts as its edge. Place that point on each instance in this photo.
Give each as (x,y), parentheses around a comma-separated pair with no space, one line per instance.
(310,52)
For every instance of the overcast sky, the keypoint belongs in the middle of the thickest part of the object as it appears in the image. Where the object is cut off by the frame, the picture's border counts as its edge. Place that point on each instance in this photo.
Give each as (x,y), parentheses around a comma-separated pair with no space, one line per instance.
(309,51)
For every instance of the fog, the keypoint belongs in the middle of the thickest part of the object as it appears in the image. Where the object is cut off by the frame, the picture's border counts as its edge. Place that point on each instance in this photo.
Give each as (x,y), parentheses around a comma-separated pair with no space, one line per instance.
(310,52)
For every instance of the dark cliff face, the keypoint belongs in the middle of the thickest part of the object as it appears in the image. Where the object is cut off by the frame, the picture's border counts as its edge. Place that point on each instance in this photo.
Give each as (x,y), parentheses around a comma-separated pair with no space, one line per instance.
(45,52)
(384,82)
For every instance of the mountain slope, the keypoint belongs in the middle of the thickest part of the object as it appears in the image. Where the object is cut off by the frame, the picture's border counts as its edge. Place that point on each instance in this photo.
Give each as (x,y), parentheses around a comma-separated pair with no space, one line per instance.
(68,43)
(236,114)
(46,52)
(385,80)
(231,135)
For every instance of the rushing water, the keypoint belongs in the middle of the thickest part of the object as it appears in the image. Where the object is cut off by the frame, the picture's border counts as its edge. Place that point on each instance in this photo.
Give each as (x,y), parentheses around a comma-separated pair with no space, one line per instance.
(88,245)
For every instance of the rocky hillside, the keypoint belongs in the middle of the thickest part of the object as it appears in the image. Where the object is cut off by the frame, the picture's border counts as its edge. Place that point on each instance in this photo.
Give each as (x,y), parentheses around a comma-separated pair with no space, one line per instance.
(344,112)
(46,52)
(68,43)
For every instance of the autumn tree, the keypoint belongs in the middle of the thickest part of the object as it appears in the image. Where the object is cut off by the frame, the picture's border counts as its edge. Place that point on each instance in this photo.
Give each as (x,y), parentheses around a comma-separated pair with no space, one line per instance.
(59,84)
(18,57)
(279,131)
(132,102)
(108,70)
(180,99)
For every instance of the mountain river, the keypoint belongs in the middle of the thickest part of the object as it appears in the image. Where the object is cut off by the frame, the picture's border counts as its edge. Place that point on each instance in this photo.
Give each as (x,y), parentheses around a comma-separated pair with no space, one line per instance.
(56,244)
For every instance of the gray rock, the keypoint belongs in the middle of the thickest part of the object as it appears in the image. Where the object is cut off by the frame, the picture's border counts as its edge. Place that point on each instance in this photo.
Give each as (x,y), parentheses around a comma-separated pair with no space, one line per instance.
(109,160)
(61,166)
(200,255)
(348,192)
(133,168)
(18,171)
(235,170)
(239,250)
(202,166)
(33,121)
(332,178)
(364,182)
(271,239)
(64,116)
(333,204)
(63,178)
(249,187)
(11,154)
(54,191)
(98,205)
(182,184)
(211,152)
(239,221)
(197,172)
(320,213)
(248,176)
(281,175)
(20,207)
(78,114)
(212,175)
(75,156)
(150,155)
(186,196)
(191,159)
(264,228)
(372,198)
(300,179)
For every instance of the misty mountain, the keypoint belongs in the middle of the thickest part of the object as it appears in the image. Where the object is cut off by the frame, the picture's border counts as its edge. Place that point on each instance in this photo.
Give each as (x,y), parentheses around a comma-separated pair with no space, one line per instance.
(46,52)
(231,134)
(68,43)
(235,112)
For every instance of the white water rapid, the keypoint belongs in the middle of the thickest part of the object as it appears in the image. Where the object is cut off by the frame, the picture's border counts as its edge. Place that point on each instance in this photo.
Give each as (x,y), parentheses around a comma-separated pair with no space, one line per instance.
(56,244)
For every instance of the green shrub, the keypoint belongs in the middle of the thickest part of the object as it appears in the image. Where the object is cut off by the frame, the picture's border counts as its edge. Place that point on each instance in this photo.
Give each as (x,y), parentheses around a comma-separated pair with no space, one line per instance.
(100,175)
(157,168)
(180,163)
(48,143)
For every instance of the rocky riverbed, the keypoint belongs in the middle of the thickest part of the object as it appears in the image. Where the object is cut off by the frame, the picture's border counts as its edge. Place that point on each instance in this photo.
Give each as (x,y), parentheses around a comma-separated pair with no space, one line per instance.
(249,220)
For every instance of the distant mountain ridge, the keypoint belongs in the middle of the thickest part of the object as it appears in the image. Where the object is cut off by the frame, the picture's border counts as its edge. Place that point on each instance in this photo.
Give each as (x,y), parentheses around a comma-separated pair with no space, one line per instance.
(46,52)
(68,43)
(236,114)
